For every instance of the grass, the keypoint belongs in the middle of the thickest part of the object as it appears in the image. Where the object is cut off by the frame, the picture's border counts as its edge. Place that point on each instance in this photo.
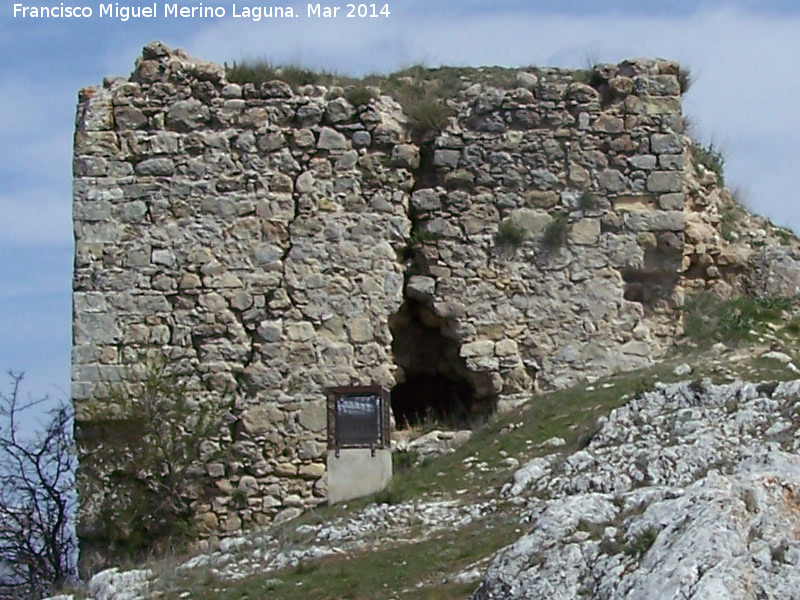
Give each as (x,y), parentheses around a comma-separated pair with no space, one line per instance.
(411,571)
(358,94)
(709,319)
(510,234)
(590,76)
(260,71)
(587,200)
(786,235)
(709,157)
(556,233)
(423,92)
(685,79)
(730,218)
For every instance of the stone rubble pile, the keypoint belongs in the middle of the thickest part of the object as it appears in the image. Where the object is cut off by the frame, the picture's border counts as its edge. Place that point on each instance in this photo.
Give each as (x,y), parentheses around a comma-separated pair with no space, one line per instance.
(274,549)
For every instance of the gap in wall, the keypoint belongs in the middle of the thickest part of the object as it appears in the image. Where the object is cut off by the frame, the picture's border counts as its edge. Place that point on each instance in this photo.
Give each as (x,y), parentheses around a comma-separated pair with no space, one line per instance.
(434,383)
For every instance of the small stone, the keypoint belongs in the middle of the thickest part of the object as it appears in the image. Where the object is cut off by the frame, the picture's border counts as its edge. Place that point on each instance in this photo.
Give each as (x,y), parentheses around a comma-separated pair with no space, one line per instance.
(682,370)
(781,357)
(287,515)
(446,158)
(248,485)
(362,139)
(420,287)
(312,471)
(405,156)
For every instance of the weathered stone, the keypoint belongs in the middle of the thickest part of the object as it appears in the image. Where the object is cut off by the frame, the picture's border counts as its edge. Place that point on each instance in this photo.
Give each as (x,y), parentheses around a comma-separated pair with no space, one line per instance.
(360,329)
(405,156)
(425,199)
(585,232)
(666,143)
(671,201)
(129,117)
(479,348)
(533,222)
(156,166)
(312,471)
(261,419)
(665,181)
(611,180)
(608,124)
(330,139)
(362,139)
(248,486)
(421,288)
(446,158)
(541,199)
(186,115)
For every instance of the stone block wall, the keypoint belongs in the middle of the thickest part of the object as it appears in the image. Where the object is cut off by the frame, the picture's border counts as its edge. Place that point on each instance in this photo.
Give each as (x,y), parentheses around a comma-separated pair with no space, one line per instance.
(270,242)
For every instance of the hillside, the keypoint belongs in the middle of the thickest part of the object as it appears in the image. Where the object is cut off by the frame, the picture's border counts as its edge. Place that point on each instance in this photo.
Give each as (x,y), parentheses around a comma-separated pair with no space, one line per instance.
(606,488)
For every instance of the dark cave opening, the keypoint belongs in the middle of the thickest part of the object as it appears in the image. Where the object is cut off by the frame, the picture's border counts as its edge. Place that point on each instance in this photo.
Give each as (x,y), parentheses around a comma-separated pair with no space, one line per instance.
(433,382)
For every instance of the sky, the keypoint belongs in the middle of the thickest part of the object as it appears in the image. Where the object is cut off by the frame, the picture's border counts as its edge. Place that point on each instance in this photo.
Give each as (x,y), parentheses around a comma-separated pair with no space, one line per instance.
(742,56)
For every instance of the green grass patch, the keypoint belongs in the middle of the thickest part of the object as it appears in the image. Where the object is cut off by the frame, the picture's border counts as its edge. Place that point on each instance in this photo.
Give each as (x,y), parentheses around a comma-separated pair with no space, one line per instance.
(587,200)
(510,234)
(358,94)
(410,572)
(730,218)
(711,158)
(258,71)
(556,233)
(709,319)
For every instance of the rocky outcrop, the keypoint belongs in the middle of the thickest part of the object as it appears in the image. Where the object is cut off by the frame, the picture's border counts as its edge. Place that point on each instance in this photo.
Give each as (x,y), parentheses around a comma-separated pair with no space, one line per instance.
(691,491)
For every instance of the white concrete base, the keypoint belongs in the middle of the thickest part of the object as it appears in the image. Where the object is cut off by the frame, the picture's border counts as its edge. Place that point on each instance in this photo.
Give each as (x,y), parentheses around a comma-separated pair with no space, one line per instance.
(356,473)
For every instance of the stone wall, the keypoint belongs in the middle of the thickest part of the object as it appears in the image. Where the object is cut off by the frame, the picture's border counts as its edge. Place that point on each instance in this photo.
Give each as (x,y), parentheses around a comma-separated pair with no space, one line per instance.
(271,241)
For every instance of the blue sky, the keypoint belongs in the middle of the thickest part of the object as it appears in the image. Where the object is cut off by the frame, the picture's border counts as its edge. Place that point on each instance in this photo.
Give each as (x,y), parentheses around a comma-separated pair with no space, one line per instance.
(743,55)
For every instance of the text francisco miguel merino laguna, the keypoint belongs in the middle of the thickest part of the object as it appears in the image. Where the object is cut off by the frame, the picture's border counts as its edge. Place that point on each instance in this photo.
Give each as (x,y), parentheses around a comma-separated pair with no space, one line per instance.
(256,13)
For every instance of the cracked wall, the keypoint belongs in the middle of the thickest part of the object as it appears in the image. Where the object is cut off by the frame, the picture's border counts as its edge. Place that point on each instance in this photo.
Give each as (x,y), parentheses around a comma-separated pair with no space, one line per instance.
(262,239)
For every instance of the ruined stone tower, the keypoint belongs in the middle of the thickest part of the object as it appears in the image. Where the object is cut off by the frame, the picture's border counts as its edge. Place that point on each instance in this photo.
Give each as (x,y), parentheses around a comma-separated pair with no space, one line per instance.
(269,241)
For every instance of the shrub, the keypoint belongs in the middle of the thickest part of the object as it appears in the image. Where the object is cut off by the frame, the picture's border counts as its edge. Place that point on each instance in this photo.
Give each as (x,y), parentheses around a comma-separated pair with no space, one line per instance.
(556,233)
(510,234)
(427,112)
(685,79)
(591,76)
(587,200)
(358,95)
(143,484)
(639,544)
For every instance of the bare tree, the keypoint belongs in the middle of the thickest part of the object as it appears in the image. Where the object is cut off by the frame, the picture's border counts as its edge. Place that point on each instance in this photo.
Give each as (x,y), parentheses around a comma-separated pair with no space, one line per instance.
(38,548)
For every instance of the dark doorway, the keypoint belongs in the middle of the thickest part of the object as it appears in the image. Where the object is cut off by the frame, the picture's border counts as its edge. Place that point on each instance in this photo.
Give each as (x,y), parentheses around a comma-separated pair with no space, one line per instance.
(433,380)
